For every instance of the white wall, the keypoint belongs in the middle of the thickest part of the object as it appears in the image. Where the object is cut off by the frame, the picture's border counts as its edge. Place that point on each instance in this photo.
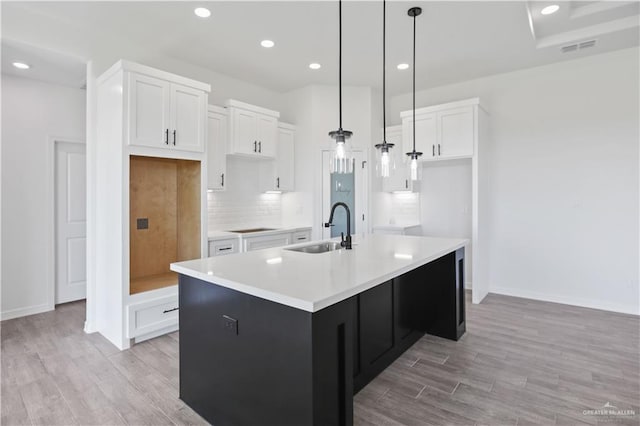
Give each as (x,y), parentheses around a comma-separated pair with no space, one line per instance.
(33,113)
(564,178)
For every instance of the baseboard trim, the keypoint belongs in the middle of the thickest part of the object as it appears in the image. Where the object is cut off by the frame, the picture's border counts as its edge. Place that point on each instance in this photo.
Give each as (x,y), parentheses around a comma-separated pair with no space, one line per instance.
(89,327)
(23,312)
(565,300)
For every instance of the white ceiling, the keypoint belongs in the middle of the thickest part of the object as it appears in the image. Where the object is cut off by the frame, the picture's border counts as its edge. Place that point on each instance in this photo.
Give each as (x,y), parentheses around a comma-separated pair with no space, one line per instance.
(457,40)
(46,65)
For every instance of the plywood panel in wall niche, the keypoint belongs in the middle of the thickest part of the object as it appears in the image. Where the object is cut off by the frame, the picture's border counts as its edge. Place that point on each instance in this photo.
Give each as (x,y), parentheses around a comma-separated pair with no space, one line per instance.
(189,213)
(153,195)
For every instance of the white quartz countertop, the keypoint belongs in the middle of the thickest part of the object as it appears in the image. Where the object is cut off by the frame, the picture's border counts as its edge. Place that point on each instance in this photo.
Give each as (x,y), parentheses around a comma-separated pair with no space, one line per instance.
(312,282)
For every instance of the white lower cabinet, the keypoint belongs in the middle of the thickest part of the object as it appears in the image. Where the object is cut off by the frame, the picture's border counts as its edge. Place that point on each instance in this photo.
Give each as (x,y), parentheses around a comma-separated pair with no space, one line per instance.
(152,318)
(266,241)
(223,247)
(301,236)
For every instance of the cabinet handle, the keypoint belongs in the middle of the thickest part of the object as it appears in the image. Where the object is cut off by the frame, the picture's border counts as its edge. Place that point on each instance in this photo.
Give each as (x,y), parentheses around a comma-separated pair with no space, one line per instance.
(255,146)
(260,146)
(166,136)
(277,182)
(433,150)
(224,248)
(406,183)
(302,238)
(170,310)
(222,182)
(438,149)
(174,137)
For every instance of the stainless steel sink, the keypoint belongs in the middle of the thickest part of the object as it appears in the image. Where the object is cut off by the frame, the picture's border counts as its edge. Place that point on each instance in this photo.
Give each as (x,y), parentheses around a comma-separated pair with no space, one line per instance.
(317,247)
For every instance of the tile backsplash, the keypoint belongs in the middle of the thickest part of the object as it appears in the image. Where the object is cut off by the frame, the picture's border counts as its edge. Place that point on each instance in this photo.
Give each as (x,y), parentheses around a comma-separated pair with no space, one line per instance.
(243,205)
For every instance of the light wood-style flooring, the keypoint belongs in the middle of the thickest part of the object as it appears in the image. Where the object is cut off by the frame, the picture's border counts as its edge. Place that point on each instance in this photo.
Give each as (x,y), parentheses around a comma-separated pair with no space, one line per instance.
(521,362)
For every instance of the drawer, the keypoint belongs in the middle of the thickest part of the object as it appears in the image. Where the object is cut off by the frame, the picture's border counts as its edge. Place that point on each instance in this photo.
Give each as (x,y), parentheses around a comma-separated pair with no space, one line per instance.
(222,247)
(152,315)
(301,237)
(258,243)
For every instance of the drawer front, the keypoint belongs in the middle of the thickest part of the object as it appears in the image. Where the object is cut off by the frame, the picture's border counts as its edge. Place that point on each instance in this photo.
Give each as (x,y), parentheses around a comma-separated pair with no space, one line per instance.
(259,243)
(301,237)
(147,317)
(222,247)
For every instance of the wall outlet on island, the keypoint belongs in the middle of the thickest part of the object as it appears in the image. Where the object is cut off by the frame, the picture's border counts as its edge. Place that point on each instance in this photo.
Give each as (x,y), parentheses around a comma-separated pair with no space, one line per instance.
(230,324)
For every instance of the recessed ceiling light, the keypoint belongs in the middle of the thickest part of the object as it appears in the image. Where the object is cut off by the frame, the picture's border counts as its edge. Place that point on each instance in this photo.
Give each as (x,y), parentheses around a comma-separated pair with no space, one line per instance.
(550,9)
(267,43)
(202,12)
(315,66)
(21,65)
(403,66)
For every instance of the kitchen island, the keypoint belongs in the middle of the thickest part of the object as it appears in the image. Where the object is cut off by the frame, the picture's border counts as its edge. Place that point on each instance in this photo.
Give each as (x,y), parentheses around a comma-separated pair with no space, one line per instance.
(280,337)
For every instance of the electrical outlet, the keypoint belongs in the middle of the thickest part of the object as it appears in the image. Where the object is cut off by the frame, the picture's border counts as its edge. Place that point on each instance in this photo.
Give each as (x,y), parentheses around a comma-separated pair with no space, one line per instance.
(230,324)
(142,223)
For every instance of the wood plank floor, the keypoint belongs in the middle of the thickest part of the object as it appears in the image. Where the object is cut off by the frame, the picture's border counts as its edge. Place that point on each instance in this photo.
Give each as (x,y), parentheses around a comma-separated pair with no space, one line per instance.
(520,362)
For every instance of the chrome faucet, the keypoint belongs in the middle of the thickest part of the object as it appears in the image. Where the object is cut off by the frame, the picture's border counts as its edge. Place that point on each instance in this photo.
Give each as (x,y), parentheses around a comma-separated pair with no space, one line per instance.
(345,242)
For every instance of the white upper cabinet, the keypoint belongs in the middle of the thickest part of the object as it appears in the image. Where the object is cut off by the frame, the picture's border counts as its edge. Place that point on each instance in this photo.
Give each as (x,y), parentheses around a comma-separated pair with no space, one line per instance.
(278,174)
(456,132)
(163,113)
(253,130)
(442,131)
(426,134)
(285,158)
(148,110)
(216,147)
(398,179)
(188,112)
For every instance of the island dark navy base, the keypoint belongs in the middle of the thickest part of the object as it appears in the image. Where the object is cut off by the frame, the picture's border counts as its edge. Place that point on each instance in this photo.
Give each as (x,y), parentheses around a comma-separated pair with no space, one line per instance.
(248,360)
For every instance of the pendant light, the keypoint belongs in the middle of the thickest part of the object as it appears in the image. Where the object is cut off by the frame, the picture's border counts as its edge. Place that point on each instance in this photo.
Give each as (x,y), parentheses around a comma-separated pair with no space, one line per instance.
(341,160)
(384,160)
(414,168)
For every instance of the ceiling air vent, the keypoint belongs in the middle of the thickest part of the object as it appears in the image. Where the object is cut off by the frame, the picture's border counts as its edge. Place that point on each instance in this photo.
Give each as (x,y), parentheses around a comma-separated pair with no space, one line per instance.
(578,46)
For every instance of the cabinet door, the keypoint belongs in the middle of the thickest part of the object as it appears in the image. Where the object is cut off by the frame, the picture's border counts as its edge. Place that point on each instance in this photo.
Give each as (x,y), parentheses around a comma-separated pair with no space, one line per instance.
(456,132)
(187,118)
(148,111)
(284,160)
(244,138)
(376,323)
(216,150)
(398,179)
(267,135)
(426,135)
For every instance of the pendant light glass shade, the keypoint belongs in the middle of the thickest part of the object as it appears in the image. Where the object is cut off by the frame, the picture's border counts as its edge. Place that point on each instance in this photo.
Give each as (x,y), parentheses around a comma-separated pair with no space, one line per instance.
(342,156)
(415,169)
(385,162)
(342,159)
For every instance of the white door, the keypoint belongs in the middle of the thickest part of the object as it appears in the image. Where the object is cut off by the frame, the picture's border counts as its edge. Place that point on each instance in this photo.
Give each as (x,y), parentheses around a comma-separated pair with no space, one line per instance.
(216,149)
(187,109)
(426,135)
(244,132)
(149,111)
(456,132)
(70,196)
(267,134)
(284,160)
(352,190)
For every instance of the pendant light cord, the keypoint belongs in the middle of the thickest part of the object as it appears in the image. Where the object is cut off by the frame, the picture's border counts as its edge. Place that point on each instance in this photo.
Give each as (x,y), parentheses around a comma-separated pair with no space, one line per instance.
(384,72)
(340,59)
(414,83)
